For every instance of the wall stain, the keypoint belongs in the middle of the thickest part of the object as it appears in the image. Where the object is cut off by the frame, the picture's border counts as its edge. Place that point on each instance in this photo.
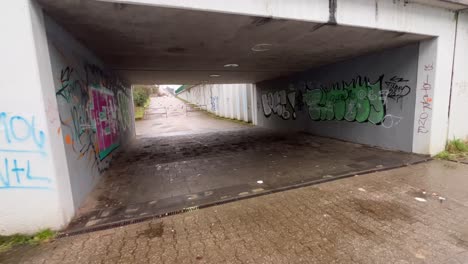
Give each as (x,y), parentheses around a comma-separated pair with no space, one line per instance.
(260,21)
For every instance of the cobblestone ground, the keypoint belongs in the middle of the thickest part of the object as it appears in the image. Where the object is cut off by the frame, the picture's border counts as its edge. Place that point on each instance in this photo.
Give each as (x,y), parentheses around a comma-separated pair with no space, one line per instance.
(373,218)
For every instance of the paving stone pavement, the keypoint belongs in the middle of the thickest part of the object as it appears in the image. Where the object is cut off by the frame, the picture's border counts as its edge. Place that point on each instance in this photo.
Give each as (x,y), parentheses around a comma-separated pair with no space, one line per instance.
(371,218)
(159,175)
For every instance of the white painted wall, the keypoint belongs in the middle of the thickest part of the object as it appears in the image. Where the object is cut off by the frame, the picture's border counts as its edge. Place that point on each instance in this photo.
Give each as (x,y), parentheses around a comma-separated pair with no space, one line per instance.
(34,187)
(458,123)
(225,100)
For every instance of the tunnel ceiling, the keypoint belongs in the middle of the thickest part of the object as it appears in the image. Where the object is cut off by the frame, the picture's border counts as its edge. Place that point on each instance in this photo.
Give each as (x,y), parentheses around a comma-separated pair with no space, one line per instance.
(148,44)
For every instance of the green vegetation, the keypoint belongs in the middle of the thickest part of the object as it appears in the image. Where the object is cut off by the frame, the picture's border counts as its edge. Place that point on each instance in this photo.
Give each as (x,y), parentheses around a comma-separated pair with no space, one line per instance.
(140,110)
(454,150)
(141,98)
(7,242)
(141,94)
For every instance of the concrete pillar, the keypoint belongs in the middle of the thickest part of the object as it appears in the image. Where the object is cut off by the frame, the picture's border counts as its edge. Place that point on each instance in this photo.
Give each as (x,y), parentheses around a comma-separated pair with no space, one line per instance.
(34,184)
(231,101)
(245,108)
(253,99)
(458,125)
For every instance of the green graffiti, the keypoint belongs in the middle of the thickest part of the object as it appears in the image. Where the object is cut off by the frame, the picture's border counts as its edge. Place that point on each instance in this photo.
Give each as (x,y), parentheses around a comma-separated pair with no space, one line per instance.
(359,101)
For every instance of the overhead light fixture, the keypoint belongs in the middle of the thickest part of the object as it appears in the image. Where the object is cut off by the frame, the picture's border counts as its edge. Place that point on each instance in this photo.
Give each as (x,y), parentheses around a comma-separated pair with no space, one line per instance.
(261,47)
(215,75)
(231,65)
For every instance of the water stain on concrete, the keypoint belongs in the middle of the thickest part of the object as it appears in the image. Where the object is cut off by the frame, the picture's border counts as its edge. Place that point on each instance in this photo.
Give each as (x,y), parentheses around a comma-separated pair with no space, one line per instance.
(382,210)
(154,230)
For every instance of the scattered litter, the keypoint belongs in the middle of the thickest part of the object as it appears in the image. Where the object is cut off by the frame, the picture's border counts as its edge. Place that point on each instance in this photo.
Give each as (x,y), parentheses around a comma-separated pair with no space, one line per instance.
(434,194)
(419,199)
(258,190)
(379,166)
(424,192)
(260,182)
(326,215)
(441,199)
(362,190)
(243,193)
(327,176)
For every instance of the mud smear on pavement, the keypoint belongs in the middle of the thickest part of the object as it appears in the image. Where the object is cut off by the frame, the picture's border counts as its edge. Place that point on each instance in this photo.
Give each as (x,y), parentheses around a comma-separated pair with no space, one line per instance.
(154,230)
(382,210)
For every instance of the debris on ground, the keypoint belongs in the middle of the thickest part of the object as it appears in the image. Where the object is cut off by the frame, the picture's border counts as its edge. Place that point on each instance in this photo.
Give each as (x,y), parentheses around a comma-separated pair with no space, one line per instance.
(419,199)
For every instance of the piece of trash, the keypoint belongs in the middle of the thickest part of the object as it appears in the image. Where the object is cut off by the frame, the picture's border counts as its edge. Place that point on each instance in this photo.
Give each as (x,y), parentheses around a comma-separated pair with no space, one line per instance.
(441,199)
(379,166)
(419,199)
(260,182)
(423,192)
(362,190)
(434,194)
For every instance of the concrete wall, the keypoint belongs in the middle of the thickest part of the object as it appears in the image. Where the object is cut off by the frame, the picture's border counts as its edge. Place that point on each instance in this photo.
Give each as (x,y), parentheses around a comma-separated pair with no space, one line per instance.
(225,100)
(35,190)
(95,107)
(458,126)
(370,100)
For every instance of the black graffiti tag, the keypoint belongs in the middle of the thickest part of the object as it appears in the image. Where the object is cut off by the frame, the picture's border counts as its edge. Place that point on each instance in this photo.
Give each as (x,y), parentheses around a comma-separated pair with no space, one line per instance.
(397,88)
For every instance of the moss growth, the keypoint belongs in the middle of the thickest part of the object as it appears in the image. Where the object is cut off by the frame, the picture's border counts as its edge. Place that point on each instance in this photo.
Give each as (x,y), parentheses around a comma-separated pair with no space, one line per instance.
(454,150)
(7,242)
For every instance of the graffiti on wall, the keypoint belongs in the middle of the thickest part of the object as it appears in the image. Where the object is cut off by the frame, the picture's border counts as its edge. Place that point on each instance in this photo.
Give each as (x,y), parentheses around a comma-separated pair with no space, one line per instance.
(22,145)
(280,103)
(104,121)
(426,101)
(397,88)
(360,100)
(214,103)
(94,110)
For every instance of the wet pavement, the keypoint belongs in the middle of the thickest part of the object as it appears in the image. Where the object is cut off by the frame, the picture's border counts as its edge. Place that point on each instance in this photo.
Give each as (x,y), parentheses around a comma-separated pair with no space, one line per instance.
(169,116)
(172,173)
(414,214)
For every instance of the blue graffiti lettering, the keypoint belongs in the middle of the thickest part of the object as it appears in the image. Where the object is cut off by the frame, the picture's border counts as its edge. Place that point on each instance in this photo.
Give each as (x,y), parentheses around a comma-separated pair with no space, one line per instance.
(22,177)
(21,135)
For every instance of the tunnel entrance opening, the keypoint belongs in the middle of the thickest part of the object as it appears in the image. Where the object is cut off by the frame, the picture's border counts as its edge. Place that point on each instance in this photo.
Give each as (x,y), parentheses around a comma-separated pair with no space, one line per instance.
(304,83)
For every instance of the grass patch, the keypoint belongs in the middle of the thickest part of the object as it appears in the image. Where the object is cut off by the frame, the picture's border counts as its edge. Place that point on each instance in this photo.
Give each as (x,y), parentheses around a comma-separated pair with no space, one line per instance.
(7,242)
(454,150)
(140,111)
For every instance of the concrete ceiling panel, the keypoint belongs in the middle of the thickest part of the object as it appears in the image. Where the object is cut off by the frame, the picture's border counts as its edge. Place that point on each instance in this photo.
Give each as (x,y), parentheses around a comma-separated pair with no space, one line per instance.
(148,44)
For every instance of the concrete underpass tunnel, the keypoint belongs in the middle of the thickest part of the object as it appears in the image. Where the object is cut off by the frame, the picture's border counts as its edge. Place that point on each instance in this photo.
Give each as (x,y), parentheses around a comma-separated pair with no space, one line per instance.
(285,76)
